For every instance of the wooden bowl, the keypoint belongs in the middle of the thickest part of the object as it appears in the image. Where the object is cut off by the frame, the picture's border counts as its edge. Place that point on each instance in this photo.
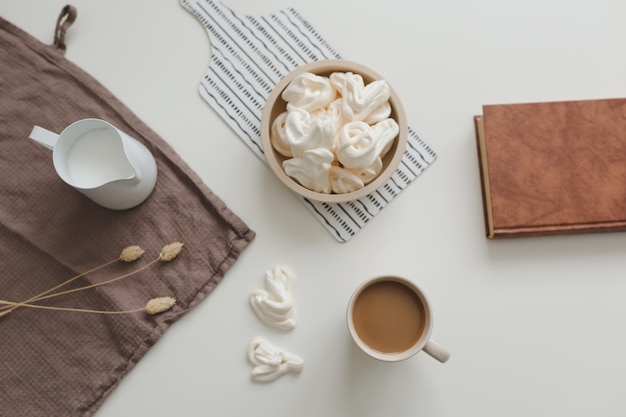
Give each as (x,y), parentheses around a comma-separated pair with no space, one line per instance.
(275,105)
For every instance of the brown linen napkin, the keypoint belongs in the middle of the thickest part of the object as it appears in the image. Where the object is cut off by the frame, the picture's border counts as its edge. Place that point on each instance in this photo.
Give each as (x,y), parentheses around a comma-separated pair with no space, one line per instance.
(65,363)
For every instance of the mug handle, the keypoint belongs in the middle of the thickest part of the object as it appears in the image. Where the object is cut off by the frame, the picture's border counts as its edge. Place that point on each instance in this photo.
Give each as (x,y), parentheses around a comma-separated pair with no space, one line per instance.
(44,137)
(436,351)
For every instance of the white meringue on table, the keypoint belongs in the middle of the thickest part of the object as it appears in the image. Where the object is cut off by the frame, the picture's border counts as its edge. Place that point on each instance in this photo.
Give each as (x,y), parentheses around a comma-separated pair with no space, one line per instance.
(303,132)
(312,170)
(271,362)
(274,304)
(309,92)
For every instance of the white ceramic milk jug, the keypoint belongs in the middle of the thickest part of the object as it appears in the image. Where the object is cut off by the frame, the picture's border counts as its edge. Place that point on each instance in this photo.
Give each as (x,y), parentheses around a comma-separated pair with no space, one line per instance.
(102,162)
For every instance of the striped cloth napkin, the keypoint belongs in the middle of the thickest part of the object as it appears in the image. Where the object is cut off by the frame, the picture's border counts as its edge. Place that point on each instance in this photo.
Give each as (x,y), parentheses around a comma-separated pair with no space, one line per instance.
(249,56)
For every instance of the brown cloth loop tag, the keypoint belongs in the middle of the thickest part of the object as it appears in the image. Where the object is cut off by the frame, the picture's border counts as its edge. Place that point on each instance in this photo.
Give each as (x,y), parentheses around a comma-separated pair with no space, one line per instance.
(65,20)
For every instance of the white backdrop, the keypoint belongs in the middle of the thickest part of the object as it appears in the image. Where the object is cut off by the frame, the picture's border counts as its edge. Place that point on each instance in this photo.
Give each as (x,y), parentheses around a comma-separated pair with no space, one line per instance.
(535,325)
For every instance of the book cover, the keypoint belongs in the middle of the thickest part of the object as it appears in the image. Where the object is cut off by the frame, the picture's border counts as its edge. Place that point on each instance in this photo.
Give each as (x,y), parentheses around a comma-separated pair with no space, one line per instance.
(553,167)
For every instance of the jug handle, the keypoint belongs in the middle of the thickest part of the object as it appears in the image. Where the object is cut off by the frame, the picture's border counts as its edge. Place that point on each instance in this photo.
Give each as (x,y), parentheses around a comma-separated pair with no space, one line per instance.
(44,137)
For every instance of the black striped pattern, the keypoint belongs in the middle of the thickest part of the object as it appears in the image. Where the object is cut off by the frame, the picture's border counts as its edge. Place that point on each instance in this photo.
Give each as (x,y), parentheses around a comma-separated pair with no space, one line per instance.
(249,56)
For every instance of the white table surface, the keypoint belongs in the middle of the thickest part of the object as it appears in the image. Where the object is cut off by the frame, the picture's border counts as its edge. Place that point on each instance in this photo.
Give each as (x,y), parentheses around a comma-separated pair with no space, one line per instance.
(536,326)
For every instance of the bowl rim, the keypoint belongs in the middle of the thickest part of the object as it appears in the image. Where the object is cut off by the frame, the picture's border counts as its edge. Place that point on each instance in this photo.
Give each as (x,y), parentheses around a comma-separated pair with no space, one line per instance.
(321,67)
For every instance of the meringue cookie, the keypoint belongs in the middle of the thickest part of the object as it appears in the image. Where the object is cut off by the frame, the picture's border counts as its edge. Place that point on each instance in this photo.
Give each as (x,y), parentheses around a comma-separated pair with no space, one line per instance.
(385,132)
(380,113)
(278,137)
(356,145)
(338,80)
(309,92)
(312,170)
(274,304)
(303,132)
(368,174)
(360,100)
(270,362)
(344,181)
(332,111)
(359,144)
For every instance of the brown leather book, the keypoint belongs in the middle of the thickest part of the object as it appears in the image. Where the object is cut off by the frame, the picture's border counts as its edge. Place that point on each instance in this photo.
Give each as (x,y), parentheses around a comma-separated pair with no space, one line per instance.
(556,167)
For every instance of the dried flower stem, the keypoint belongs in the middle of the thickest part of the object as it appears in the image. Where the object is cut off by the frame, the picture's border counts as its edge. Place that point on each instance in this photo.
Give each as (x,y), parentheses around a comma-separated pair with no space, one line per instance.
(64,283)
(78,310)
(98,284)
(129,254)
(154,306)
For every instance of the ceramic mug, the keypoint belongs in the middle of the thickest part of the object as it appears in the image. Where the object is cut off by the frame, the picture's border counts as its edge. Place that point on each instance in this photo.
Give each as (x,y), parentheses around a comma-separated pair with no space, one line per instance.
(390,319)
(102,162)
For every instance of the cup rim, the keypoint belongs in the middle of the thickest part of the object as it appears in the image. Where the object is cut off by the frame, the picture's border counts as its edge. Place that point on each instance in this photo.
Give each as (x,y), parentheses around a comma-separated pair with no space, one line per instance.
(382,356)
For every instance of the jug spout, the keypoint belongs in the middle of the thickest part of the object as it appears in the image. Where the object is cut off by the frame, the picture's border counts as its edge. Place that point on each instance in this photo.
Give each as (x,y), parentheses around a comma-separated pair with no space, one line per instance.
(44,137)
